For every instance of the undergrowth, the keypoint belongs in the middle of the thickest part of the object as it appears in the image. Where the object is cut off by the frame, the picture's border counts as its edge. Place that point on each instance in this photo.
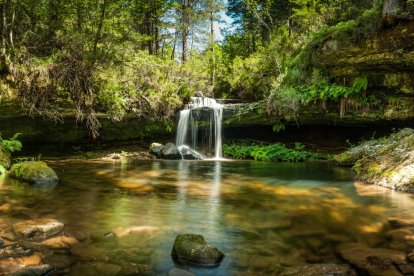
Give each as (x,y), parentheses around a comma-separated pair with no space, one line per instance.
(272,152)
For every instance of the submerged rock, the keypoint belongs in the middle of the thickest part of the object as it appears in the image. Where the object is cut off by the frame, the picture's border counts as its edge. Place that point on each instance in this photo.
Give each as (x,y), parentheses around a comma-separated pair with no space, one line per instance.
(37,172)
(156,149)
(320,270)
(35,270)
(13,251)
(38,229)
(170,151)
(192,249)
(4,158)
(374,261)
(387,162)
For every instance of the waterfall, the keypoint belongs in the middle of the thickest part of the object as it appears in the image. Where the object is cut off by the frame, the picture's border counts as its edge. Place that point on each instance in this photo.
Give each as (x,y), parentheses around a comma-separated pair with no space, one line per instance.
(199,128)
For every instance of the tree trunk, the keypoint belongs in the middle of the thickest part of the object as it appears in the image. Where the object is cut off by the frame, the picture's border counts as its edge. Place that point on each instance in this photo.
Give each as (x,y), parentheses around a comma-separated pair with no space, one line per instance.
(99,30)
(213,54)
(390,11)
(185,26)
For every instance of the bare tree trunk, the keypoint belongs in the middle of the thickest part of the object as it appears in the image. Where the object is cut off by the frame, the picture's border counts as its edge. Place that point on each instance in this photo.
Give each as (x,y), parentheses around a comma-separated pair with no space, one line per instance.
(390,11)
(12,25)
(185,23)
(174,45)
(213,54)
(4,30)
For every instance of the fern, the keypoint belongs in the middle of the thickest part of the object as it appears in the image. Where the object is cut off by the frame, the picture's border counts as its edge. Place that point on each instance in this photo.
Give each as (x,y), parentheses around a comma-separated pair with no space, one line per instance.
(11,145)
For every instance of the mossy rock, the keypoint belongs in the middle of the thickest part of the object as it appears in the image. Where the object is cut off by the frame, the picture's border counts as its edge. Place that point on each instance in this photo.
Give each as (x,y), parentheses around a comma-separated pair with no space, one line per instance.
(192,249)
(4,158)
(36,172)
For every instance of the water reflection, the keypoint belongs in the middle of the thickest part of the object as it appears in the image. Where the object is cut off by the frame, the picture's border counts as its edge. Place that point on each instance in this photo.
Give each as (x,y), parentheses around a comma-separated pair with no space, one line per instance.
(261,215)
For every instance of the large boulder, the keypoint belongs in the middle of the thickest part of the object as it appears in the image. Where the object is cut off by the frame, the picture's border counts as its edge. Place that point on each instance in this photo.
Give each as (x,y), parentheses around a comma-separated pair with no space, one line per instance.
(4,158)
(38,229)
(387,162)
(37,172)
(170,151)
(156,149)
(192,249)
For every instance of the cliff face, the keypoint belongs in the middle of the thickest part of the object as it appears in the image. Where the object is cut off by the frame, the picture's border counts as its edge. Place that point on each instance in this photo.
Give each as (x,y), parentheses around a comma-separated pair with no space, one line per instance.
(387,60)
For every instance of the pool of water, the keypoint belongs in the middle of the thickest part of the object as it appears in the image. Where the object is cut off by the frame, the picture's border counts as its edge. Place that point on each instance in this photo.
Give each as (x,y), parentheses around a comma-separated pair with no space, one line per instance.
(262,215)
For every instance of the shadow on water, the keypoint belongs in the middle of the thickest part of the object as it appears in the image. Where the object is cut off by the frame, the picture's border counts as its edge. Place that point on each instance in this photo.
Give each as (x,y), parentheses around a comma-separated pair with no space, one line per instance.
(262,215)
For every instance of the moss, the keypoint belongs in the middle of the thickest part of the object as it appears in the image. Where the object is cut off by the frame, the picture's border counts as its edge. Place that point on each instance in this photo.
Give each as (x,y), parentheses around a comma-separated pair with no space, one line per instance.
(33,172)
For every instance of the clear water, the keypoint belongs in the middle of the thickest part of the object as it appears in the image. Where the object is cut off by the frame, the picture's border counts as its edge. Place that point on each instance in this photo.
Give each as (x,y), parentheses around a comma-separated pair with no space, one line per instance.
(262,215)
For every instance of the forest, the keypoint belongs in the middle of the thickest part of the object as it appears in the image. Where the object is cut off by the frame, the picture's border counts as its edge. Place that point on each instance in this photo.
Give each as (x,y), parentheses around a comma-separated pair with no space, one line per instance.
(207,137)
(149,57)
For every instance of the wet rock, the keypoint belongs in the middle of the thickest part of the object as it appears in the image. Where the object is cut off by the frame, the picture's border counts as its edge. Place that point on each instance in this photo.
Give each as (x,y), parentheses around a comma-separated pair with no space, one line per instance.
(387,162)
(374,261)
(13,264)
(7,233)
(170,151)
(58,261)
(188,154)
(401,221)
(192,249)
(401,239)
(156,149)
(35,270)
(37,172)
(38,229)
(14,251)
(60,242)
(320,270)
(180,272)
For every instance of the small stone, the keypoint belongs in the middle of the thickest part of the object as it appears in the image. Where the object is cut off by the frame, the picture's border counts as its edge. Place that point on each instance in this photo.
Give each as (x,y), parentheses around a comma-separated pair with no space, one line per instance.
(7,234)
(60,242)
(58,261)
(38,229)
(320,270)
(401,221)
(14,251)
(35,270)
(192,249)
(180,272)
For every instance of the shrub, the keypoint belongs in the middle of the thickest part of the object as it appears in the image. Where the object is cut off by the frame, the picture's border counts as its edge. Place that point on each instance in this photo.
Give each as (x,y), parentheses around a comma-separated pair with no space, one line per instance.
(273,152)
(12,144)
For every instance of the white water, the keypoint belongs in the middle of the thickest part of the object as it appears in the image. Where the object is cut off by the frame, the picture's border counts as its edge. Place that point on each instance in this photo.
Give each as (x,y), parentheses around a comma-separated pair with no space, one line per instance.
(199,127)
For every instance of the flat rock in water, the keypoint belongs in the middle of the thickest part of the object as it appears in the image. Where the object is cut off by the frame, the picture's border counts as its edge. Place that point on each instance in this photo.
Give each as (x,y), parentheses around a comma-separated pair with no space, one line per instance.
(36,172)
(192,249)
(35,270)
(170,151)
(374,261)
(401,221)
(38,229)
(320,270)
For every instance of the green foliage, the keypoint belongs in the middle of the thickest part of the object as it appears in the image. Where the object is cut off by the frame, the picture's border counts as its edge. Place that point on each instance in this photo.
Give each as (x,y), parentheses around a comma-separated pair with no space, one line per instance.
(2,170)
(273,152)
(11,145)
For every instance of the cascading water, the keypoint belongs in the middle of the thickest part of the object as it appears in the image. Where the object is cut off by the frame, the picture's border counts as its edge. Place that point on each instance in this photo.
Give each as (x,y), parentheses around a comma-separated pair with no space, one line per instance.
(199,128)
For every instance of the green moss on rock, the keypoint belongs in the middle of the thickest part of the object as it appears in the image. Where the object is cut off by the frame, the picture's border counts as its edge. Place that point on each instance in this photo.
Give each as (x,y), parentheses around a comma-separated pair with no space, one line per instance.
(33,172)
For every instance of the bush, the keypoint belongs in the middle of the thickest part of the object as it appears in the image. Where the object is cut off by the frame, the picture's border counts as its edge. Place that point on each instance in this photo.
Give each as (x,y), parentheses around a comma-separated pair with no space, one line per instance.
(273,152)
(11,145)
